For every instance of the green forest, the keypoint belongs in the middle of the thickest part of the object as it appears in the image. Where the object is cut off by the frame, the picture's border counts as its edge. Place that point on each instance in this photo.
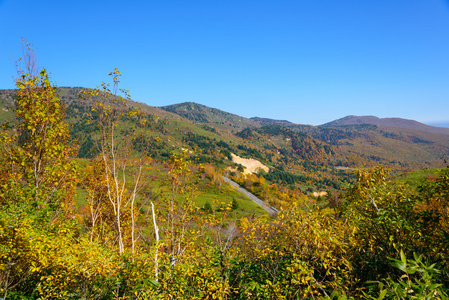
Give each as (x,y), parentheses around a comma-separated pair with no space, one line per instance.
(100,199)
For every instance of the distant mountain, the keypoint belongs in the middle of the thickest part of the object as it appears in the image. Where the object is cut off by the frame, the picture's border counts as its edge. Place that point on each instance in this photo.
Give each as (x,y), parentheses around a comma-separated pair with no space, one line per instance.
(267,121)
(204,114)
(386,122)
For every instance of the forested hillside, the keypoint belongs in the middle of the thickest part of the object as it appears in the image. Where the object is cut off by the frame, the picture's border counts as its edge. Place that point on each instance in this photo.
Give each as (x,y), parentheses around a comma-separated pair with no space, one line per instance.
(403,144)
(102,197)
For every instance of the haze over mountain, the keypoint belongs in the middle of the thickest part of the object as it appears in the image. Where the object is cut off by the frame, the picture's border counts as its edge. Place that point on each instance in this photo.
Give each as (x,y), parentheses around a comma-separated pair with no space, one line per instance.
(439,124)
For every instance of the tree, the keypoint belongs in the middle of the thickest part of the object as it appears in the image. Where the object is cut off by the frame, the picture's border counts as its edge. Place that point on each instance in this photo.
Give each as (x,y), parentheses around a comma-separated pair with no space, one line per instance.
(388,216)
(109,110)
(38,152)
(38,175)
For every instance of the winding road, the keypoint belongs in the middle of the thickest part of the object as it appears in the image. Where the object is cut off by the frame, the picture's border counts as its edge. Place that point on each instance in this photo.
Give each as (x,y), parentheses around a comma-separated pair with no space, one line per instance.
(271,210)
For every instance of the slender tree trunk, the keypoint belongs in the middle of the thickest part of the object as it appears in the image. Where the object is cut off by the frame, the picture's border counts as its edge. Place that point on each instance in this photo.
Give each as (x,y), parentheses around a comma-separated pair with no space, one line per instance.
(156,232)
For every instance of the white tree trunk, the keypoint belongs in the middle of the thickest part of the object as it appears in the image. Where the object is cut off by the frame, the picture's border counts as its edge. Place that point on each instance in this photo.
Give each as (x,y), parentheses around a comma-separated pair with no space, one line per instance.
(156,232)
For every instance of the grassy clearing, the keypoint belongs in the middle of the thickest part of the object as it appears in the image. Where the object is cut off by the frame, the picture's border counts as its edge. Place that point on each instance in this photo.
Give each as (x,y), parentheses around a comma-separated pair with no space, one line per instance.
(217,201)
(417,178)
(81,198)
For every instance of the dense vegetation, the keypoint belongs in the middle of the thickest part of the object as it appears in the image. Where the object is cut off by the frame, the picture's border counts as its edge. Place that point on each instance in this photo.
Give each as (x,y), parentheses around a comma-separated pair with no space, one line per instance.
(124,215)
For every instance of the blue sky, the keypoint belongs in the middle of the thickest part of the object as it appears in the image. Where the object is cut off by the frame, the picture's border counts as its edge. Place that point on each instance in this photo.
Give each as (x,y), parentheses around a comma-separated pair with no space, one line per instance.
(308,62)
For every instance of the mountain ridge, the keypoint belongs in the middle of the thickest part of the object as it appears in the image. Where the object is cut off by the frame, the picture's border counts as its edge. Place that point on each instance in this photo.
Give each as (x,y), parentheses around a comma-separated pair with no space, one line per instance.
(390,141)
(194,125)
(204,114)
(385,122)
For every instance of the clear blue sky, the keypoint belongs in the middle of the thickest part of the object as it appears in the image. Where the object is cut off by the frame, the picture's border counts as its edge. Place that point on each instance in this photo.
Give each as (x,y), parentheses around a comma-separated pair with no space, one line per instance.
(309,62)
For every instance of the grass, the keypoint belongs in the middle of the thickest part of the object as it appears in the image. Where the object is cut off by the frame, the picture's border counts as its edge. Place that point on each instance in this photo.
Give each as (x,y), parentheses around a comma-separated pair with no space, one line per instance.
(6,114)
(245,207)
(81,197)
(416,178)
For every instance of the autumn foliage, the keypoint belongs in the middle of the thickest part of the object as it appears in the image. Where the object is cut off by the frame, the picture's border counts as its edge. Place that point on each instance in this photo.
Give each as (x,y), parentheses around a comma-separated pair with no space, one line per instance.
(123,238)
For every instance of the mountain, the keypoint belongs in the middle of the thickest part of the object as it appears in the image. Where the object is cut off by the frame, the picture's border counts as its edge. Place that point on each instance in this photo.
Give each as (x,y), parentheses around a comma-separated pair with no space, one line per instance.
(386,122)
(267,121)
(207,115)
(349,142)
(394,142)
